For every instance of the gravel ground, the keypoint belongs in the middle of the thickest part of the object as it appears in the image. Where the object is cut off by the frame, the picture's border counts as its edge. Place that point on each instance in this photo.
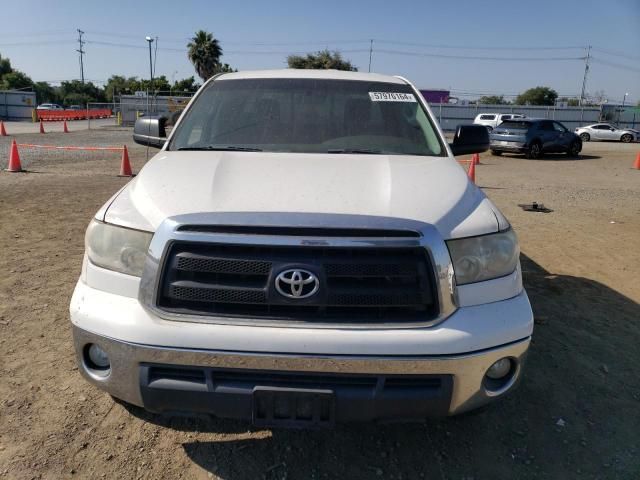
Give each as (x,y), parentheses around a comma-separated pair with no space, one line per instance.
(576,414)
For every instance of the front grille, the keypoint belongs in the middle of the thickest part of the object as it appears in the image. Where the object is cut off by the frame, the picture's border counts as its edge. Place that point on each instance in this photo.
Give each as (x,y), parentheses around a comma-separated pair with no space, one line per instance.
(357,284)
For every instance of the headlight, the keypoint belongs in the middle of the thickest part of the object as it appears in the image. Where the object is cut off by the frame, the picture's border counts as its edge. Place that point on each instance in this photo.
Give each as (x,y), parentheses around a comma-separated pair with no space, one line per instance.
(117,248)
(476,259)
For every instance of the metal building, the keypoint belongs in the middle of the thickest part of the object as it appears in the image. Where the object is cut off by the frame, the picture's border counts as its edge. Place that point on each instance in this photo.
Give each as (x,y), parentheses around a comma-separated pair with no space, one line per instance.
(17,105)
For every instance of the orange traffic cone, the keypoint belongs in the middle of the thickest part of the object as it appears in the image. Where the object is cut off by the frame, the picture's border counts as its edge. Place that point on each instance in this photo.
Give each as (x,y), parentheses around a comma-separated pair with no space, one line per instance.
(125,166)
(64,127)
(636,164)
(14,159)
(476,159)
(41,127)
(3,132)
(472,171)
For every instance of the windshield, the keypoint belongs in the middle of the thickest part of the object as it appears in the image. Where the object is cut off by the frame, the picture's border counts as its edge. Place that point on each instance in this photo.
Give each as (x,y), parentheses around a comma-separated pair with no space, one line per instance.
(308,115)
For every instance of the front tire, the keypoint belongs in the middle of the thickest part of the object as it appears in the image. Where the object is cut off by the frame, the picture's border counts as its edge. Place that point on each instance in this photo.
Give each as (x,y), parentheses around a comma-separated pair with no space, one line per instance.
(574,149)
(585,137)
(535,151)
(626,138)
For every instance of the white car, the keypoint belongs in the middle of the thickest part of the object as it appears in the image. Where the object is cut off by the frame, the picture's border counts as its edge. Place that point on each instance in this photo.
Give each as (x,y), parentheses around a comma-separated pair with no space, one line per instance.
(606,131)
(49,106)
(304,249)
(492,120)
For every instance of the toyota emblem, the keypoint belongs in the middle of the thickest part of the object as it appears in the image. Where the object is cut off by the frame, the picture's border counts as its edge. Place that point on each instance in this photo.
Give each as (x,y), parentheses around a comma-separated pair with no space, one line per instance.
(297,283)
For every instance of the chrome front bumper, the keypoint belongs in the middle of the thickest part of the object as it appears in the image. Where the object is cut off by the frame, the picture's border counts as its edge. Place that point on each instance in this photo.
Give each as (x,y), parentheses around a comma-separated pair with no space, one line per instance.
(466,370)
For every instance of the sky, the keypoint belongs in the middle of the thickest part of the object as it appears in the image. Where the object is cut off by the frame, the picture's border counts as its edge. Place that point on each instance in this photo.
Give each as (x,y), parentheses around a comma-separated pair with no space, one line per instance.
(469,47)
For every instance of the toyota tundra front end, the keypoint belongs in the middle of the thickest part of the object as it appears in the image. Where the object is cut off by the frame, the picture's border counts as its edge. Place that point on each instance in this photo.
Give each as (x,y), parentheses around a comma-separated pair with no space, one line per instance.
(303,250)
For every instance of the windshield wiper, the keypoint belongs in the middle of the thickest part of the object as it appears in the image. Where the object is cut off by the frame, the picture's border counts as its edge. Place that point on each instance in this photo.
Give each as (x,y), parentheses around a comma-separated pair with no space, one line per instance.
(233,148)
(353,150)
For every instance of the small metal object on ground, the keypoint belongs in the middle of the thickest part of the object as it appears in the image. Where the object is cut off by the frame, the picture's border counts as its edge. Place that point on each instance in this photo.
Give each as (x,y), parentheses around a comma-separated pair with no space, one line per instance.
(534,207)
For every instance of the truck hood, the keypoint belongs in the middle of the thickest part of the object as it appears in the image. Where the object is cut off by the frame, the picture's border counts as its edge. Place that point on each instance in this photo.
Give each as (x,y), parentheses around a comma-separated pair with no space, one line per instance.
(434,190)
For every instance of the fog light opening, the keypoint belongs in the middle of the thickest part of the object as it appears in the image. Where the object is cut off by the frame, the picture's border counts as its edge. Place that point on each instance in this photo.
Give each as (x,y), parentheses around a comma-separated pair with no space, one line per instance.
(96,360)
(500,375)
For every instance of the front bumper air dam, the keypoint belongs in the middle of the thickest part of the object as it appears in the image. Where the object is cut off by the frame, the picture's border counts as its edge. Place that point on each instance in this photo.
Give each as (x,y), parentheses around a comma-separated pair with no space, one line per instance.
(463,386)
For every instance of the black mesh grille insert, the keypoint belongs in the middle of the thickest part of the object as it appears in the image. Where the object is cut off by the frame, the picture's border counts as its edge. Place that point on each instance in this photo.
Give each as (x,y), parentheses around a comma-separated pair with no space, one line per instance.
(356,284)
(186,261)
(223,295)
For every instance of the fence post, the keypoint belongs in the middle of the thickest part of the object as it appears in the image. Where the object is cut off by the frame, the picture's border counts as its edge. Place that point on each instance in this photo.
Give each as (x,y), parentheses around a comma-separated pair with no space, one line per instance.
(88,118)
(440,115)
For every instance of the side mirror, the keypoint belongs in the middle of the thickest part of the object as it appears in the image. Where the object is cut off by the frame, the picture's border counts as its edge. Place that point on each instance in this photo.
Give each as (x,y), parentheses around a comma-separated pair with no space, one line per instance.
(150,131)
(470,139)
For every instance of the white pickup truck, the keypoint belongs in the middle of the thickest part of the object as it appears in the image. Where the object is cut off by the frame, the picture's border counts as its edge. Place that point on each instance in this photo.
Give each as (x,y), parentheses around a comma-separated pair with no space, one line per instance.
(303,250)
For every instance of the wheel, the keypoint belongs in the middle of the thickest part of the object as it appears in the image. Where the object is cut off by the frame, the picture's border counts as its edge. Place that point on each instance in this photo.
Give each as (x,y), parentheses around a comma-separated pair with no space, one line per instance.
(626,138)
(497,153)
(535,150)
(585,137)
(574,148)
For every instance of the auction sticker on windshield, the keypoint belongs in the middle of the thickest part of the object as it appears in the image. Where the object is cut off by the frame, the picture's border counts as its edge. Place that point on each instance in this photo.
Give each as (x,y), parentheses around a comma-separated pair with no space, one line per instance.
(391,97)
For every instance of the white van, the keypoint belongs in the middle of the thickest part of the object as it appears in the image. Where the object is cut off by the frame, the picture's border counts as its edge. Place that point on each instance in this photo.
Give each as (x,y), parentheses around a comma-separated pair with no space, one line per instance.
(492,120)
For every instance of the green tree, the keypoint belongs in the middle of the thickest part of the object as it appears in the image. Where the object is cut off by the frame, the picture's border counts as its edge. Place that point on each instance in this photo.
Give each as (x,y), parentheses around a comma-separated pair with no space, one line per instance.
(185,85)
(321,60)
(225,68)
(74,92)
(537,96)
(45,93)
(204,52)
(492,100)
(116,85)
(5,66)
(15,80)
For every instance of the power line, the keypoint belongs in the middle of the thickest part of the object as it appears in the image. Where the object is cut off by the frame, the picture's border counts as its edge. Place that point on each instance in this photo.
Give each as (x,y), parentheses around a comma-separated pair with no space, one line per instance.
(48,33)
(616,53)
(368,50)
(615,65)
(38,43)
(475,47)
(129,45)
(475,57)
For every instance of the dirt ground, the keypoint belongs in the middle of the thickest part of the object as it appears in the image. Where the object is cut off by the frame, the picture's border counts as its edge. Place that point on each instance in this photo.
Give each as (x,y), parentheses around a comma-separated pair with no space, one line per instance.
(575,415)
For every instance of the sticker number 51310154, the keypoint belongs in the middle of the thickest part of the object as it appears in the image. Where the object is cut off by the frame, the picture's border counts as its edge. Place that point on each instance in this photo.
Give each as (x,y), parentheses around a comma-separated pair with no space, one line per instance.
(391,97)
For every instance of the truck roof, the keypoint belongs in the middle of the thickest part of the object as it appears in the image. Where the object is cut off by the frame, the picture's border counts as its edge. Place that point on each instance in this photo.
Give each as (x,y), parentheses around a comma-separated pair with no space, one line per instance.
(313,74)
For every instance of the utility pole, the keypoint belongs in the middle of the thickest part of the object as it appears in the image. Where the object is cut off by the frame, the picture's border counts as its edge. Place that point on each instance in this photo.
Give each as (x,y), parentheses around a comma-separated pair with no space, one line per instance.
(81,52)
(150,91)
(370,53)
(586,70)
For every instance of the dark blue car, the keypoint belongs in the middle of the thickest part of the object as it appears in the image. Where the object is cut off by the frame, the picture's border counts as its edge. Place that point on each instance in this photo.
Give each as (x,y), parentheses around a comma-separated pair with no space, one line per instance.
(534,137)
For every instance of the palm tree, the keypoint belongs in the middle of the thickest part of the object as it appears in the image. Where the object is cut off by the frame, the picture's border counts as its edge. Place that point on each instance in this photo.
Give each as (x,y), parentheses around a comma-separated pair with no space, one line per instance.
(205,52)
